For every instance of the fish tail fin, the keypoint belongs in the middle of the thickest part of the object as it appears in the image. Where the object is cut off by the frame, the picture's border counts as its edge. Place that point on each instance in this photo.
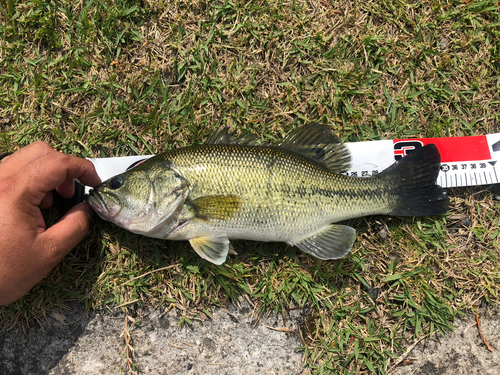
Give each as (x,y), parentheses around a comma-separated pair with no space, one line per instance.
(413,179)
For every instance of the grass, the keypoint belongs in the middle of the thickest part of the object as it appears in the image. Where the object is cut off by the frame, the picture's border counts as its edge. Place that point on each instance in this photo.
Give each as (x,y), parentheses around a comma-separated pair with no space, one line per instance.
(101,78)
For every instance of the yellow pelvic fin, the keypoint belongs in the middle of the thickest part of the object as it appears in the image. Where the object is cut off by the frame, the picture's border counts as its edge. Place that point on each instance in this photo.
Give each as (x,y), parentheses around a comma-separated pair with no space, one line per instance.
(213,249)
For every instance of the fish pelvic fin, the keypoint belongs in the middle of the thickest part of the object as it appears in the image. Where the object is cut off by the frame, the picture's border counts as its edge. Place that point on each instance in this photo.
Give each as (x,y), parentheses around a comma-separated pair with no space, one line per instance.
(332,242)
(413,181)
(213,249)
(216,207)
(317,142)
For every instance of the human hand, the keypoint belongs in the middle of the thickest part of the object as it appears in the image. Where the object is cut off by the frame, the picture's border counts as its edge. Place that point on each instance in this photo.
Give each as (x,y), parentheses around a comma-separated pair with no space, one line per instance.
(28,250)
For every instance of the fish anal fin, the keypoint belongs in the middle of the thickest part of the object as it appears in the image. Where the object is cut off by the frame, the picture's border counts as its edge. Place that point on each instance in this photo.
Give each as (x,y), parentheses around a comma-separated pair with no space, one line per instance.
(216,207)
(213,249)
(332,242)
(317,142)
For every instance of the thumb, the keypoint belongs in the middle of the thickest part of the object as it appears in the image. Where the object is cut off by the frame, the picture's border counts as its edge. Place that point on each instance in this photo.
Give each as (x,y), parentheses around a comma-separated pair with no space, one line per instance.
(63,236)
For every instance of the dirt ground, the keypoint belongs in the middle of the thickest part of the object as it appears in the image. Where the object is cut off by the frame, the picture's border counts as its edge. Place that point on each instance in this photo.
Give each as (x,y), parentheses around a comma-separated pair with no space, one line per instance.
(230,342)
(461,352)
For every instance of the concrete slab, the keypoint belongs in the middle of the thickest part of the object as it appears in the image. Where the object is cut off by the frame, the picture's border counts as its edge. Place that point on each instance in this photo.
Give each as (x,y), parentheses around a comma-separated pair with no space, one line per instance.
(230,342)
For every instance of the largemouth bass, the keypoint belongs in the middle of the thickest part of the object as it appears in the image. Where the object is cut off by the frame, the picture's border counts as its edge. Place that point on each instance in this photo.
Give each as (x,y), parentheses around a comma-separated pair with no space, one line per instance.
(293,192)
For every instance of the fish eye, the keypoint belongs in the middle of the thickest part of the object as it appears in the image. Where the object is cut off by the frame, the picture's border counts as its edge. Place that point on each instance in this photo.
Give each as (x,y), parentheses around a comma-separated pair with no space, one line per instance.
(116,182)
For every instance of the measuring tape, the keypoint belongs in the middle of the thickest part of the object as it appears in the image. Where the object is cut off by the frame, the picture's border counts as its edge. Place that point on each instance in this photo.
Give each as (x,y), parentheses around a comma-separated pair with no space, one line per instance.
(465,161)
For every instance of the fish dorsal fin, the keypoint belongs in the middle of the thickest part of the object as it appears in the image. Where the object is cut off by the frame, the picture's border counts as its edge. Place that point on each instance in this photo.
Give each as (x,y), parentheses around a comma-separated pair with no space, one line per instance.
(333,242)
(223,137)
(317,142)
(216,207)
(213,249)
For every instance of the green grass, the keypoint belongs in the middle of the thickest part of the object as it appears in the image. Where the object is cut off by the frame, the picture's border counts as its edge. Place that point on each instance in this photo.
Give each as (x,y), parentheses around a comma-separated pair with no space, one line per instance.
(126,77)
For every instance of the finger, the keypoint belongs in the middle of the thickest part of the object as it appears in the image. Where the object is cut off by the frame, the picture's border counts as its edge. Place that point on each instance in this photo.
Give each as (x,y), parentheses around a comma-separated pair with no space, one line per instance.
(26,155)
(63,236)
(54,169)
(47,200)
(67,188)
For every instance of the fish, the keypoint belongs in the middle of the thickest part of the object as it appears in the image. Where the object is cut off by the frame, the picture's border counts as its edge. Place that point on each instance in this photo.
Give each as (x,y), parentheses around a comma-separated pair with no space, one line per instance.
(241,188)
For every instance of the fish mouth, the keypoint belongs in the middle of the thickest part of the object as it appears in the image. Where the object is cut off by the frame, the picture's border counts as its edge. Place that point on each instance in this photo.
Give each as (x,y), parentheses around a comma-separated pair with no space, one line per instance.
(103,207)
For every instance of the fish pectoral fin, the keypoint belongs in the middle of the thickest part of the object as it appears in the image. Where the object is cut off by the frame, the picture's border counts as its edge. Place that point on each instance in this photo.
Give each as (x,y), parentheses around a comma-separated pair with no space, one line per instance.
(216,207)
(213,249)
(332,242)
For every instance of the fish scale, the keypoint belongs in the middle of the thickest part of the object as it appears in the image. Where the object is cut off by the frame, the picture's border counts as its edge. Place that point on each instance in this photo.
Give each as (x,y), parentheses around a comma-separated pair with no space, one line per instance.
(284,195)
